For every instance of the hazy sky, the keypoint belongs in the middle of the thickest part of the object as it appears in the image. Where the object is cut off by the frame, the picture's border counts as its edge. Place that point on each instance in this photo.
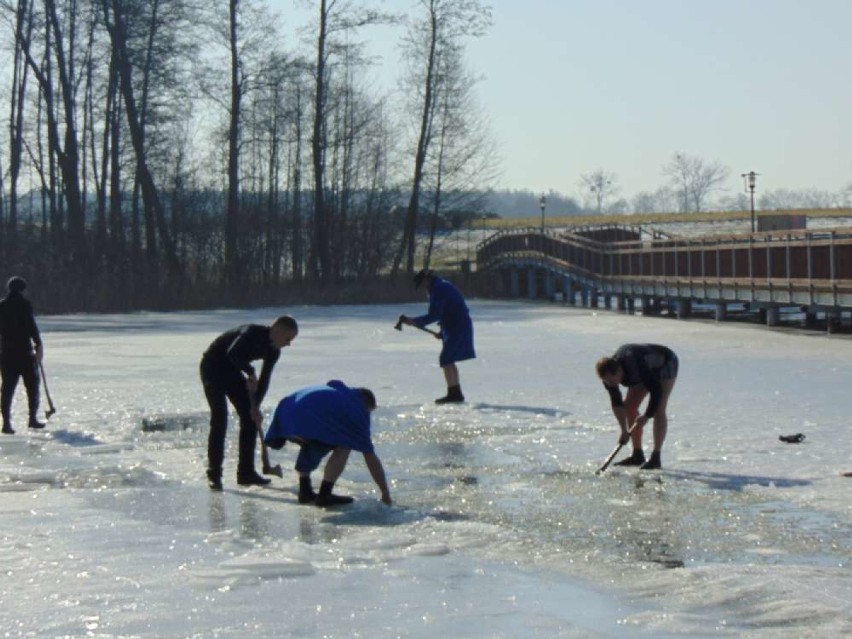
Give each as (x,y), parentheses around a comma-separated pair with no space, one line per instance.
(571,86)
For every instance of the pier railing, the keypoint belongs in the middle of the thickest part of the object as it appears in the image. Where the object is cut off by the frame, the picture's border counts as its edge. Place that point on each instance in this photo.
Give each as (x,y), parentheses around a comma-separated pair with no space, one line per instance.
(781,267)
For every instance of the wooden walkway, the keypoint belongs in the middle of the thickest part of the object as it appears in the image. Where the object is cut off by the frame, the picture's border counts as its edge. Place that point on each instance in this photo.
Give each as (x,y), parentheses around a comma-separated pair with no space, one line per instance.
(809,270)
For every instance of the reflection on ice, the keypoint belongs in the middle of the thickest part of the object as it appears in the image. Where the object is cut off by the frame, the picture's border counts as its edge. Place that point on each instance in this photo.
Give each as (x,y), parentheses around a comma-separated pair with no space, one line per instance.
(729,481)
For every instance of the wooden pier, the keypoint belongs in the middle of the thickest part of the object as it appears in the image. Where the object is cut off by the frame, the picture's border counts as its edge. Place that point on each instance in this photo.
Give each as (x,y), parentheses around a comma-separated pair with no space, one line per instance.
(769,272)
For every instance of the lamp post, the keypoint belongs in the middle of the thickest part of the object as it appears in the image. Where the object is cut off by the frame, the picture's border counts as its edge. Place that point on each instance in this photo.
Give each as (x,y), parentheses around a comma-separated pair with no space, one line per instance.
(542,202)
(750,179)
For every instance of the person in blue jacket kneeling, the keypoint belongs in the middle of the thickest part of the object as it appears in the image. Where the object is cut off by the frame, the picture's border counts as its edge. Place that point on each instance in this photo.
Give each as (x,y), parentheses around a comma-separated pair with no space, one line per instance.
(331,418)
(448,308)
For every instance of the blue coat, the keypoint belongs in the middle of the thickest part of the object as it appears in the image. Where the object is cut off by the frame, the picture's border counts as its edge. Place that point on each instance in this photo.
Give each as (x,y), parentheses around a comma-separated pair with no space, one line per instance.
(333,414)
(448,308)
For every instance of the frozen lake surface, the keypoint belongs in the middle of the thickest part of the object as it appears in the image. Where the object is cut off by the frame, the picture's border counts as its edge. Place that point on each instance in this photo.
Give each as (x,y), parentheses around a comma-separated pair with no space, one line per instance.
(500,527)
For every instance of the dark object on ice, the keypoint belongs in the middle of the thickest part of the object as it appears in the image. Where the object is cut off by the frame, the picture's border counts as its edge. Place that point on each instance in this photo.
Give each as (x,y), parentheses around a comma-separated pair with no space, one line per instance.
(653,463)
(173,423)
(792,439)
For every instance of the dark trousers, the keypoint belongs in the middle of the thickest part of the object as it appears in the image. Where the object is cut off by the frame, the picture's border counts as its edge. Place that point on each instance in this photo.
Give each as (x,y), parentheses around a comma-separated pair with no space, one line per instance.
(12,369)
(223,384)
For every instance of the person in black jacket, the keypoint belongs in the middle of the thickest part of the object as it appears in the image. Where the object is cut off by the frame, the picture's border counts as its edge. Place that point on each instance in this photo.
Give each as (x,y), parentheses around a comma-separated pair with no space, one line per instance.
(227,375)
(18,334)
(645,369)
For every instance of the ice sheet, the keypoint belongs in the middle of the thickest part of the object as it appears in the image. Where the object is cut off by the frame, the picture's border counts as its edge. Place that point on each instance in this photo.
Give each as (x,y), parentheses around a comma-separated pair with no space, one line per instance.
(500,526)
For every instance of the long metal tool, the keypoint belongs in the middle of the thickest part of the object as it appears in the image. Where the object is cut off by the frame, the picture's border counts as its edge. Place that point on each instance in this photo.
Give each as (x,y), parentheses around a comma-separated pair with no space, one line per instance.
(612,455)
(268,468)
(51,408)
(398,326)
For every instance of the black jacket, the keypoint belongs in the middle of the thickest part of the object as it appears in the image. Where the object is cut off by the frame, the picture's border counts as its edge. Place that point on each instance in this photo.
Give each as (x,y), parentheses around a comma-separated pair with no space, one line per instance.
(18,329)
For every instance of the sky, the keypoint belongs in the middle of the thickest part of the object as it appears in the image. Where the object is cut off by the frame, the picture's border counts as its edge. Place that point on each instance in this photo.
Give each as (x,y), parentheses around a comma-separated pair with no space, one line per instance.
(500,526)
(622,85)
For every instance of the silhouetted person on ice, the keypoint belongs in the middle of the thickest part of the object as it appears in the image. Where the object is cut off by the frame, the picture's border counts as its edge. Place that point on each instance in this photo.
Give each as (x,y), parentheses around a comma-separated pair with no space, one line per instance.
(18,359)
(227,375)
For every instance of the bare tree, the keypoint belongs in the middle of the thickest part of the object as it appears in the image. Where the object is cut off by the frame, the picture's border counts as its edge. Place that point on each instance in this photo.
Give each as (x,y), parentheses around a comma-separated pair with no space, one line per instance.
(23,25)
(660,201)
(335,17)
(463,165)
(59,37)
(601,186)
(438,30)
(694,180)
(799,199)
(150,194)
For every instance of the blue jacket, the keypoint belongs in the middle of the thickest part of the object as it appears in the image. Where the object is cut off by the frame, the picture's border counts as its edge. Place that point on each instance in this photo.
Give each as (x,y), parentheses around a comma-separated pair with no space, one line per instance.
(446,306)
(333,414)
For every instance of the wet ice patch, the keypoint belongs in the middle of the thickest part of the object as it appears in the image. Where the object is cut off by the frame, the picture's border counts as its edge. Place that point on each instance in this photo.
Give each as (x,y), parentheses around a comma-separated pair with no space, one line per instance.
(174,422)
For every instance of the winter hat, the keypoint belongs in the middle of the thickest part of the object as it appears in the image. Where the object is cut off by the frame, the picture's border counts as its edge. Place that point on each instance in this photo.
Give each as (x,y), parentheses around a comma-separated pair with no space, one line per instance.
(420,277)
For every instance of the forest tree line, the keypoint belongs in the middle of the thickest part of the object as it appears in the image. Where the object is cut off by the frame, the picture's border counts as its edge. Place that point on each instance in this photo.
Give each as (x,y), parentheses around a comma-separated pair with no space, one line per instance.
(183,153)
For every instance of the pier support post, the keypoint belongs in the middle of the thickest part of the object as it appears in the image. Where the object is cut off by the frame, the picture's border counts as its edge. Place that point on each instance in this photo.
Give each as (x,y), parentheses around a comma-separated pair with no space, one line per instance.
(549,288)
(593,297)
(531,292)
(721,312)
(773,316)
(684,309)
(514,283)
(569,291)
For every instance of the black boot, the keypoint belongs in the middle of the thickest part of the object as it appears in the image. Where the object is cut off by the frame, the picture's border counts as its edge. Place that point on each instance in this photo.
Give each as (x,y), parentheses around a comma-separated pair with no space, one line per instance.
(306,491)
(453,396)
(326,498)
(251,478)
(653,462)
(214,479)
(637,458)
(34,423)
(7,428)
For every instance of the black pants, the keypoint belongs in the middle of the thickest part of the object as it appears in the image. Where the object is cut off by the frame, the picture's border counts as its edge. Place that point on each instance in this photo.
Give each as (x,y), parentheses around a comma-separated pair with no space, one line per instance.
(225,383)
(13,369)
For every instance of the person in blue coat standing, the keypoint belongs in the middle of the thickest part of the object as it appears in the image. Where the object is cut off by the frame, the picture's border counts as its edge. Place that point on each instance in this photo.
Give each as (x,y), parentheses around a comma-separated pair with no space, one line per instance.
(331,418)
(448,308)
